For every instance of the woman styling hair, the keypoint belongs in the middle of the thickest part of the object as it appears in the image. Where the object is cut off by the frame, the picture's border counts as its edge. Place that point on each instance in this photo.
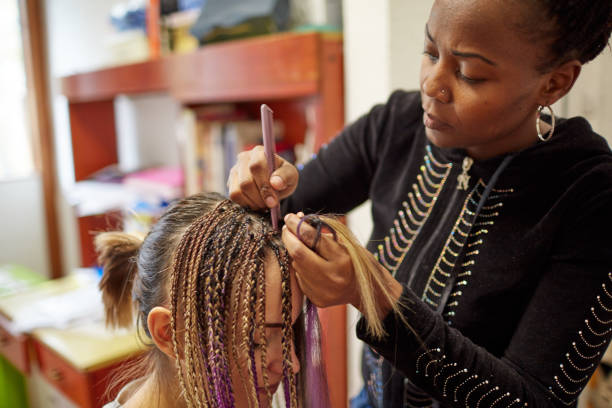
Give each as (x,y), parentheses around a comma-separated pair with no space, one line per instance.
(491,219)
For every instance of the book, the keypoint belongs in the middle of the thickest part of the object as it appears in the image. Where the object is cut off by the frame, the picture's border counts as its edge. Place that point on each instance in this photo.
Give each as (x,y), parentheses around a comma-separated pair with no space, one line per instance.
(212,137)
(165,182)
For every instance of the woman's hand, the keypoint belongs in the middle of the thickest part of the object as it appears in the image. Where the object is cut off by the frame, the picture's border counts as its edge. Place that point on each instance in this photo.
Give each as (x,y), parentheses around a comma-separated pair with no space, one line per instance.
(325,273)
(326,276)
(250,186)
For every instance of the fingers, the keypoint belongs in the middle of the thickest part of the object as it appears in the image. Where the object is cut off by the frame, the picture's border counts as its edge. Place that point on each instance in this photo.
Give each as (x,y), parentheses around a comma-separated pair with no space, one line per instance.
(249,183)
(284,178)
(326,282)
(304,259)
(326,245)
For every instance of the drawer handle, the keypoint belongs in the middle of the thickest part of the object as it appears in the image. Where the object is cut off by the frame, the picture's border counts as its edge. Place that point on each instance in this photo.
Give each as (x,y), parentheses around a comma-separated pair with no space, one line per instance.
(56,375)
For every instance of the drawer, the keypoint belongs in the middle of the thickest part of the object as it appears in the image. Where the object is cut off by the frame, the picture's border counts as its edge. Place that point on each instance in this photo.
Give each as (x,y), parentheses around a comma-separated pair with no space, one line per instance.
(15,349)
(87,389)
(63,376)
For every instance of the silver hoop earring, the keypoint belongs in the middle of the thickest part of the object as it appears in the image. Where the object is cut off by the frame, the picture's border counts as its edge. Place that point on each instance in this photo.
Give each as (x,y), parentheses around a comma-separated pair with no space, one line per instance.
(545,138)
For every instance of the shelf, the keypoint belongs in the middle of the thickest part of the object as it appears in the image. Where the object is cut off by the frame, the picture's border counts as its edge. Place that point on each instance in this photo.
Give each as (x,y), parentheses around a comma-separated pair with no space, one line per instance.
(279,66)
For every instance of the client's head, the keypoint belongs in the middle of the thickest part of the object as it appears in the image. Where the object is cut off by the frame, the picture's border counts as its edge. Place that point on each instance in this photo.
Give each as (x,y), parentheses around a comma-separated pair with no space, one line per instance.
(211,286)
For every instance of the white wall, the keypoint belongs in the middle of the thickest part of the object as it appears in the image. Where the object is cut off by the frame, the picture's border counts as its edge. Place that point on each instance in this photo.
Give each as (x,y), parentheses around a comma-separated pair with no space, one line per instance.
(23,237)
(382,48)
(80,38)
(74,32)
(591,96)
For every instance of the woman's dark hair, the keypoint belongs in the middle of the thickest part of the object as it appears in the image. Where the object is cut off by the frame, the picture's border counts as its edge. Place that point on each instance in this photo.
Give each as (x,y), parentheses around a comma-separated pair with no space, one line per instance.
(575,29)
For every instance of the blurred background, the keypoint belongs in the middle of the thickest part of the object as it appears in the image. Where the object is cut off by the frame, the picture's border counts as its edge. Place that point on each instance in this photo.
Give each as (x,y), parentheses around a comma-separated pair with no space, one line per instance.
(111,109)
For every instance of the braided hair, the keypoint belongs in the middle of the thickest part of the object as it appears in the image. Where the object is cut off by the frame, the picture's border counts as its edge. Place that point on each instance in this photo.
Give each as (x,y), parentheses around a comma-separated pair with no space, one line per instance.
(211,253)
(220,261)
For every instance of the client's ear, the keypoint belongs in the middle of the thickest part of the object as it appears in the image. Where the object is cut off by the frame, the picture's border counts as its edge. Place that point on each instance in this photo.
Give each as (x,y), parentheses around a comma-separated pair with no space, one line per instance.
(158,323)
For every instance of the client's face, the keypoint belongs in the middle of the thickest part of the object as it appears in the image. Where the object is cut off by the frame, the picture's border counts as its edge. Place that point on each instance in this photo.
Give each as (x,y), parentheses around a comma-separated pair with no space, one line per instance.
(273,368)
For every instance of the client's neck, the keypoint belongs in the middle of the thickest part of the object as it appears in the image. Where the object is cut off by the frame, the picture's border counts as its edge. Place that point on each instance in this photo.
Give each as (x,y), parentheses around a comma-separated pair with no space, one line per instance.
(152,395)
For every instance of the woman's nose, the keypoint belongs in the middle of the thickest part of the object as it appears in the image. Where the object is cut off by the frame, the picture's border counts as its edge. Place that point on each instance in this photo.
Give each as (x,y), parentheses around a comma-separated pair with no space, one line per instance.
(295,361)
(275,361)
(433,83)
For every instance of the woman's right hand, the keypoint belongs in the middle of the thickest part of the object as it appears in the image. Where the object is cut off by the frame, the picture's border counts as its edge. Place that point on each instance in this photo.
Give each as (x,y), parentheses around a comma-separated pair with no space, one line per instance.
(250,186)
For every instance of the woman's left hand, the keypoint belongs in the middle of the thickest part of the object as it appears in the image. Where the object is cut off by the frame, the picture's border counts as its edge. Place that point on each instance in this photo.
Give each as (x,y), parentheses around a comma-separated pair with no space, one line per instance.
(325,273)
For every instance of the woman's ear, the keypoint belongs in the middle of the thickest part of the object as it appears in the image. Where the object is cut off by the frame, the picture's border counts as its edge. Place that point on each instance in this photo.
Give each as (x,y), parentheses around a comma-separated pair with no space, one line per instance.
(158,322)
(559,82)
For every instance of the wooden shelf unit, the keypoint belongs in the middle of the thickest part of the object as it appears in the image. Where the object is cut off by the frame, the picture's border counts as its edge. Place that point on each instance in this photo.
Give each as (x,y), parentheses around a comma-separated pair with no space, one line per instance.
(294,73)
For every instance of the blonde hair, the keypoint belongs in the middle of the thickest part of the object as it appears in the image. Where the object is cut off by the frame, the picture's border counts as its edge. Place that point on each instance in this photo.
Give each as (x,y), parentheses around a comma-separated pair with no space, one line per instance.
(371,284)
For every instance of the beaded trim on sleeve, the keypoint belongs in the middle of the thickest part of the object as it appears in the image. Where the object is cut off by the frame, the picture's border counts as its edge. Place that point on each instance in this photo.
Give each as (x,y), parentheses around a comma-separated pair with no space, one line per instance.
(465,388)
(586,349)
(414,212)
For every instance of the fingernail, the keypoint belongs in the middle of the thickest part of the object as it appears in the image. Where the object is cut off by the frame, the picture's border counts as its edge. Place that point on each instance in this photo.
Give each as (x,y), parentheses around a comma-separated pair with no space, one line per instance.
(277,182)
(270,201)
(287,217)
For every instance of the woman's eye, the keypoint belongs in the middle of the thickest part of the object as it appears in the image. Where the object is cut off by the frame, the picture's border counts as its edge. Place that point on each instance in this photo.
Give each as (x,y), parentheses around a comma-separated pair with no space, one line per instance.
(468,79)
(432,57)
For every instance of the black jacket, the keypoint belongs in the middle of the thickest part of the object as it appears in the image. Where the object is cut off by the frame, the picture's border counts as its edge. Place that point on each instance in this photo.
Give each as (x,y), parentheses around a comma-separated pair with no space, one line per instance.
(509,303)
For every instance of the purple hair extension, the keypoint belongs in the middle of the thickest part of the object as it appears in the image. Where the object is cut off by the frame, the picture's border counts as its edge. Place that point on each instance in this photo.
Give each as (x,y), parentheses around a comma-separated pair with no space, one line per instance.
(316,381)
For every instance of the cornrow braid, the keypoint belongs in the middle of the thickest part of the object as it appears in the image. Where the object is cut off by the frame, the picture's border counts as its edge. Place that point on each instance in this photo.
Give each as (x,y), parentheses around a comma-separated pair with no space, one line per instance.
(261,313)
(217,331)
(253,263)
(235,250)
(289,380)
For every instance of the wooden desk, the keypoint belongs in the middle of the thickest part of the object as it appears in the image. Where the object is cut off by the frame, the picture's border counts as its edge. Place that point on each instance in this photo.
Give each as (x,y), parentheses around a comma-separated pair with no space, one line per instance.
(78,360)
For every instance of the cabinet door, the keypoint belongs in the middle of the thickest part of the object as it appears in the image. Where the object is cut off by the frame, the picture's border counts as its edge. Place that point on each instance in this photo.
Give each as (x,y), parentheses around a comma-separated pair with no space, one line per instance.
(64,377)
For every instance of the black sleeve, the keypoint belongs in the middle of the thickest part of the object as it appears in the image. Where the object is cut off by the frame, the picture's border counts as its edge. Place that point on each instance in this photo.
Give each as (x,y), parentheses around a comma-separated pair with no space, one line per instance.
(556,346)
(339,177)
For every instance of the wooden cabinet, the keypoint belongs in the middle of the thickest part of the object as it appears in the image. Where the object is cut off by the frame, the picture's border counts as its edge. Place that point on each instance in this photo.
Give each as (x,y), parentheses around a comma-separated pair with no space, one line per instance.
(81,364)
(78,361)
(294,73)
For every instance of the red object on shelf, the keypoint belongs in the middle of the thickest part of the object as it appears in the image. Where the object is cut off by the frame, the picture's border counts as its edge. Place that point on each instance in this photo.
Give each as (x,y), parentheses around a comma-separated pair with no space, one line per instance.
(153,34)
(89,226)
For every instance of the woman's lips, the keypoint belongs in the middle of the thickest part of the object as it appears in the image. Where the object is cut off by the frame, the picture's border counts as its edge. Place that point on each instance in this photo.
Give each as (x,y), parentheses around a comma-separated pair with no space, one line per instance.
(434,123)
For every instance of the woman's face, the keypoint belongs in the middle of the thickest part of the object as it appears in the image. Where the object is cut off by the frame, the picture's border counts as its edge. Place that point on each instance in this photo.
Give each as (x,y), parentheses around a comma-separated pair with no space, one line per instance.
(273,332)
(479,84)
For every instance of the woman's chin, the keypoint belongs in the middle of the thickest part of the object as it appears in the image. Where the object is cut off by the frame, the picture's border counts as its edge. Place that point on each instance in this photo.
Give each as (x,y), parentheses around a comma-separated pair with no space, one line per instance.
(262,394)
(440,139)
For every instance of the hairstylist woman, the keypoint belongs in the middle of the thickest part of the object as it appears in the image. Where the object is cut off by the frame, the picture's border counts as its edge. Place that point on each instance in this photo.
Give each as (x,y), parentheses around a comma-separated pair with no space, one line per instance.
(492,219)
